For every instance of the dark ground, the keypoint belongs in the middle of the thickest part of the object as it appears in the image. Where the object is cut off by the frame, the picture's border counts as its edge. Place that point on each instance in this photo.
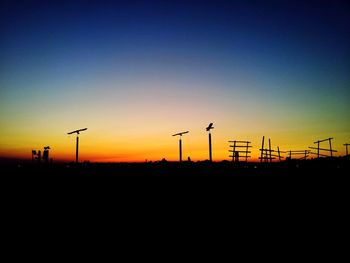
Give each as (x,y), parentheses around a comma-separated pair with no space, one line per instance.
(281,193)
(316,171)
(315,168)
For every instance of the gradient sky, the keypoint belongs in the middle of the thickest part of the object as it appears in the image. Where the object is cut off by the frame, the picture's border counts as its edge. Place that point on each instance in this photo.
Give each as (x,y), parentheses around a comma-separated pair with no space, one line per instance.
(136,72)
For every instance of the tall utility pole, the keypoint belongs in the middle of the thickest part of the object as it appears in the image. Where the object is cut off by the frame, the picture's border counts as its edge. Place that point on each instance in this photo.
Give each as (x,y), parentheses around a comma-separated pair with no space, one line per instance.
(180,143)
(210,126)
(77,144)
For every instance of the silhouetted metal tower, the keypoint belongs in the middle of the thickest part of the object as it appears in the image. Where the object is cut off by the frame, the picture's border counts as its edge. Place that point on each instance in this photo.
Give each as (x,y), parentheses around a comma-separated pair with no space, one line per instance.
(180,142)
(210,126)
(77,144)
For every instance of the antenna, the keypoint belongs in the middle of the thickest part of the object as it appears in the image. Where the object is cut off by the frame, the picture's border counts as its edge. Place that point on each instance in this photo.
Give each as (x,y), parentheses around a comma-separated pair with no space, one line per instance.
(77,144)
(180,142)
(210,126)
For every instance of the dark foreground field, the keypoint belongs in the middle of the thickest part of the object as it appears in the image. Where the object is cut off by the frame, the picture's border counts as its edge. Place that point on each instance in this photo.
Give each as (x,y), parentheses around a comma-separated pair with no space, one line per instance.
(314,170)
(321,183)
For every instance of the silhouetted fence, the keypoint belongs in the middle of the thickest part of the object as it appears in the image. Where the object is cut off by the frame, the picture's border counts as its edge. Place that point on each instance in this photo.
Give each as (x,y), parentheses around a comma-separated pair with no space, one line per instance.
(240,147)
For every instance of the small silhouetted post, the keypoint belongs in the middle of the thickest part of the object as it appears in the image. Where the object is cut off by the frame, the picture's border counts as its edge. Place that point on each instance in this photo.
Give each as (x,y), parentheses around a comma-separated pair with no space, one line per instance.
(234,151)
(318,149)
(279,154)
(210,151)
(210,126)
(330,146)
(180,148)
(246,153)
(270,150)
(346,148)
(77,143)
(180,143)
(262,149)
(77,150)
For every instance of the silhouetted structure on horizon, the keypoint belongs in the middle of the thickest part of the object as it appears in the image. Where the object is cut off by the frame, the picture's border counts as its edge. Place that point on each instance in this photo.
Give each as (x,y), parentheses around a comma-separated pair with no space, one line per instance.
(330,150)
(305,154)
(210,126)
(36,155)
(46,154)
(346,148)
(236,152)
(180,143)
(77,144)
(267,154)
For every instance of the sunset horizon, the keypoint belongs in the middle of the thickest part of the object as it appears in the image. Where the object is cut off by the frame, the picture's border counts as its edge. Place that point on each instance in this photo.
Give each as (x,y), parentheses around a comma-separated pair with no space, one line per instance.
(134,73)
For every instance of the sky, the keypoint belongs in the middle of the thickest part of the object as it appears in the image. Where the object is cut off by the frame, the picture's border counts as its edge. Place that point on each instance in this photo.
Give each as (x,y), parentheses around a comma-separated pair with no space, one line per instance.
(136,72)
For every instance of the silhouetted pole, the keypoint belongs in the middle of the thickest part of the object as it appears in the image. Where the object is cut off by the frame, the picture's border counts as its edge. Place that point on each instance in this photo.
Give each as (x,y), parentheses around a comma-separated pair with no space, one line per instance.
(76,151)
(262,149)
(233,151)
(77,143)
(270,150)
(346,148)
(210,126)
(210,152)
(330,146)
(180,148)
(279,154)
(180,143)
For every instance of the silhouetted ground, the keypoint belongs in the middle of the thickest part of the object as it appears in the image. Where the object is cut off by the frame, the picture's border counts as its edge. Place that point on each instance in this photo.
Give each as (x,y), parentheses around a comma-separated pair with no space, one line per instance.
(294,185)
(310,170)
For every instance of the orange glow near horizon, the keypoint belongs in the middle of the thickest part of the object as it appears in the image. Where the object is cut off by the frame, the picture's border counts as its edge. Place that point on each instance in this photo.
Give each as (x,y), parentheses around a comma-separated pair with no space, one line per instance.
(107,146)
(134,74)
